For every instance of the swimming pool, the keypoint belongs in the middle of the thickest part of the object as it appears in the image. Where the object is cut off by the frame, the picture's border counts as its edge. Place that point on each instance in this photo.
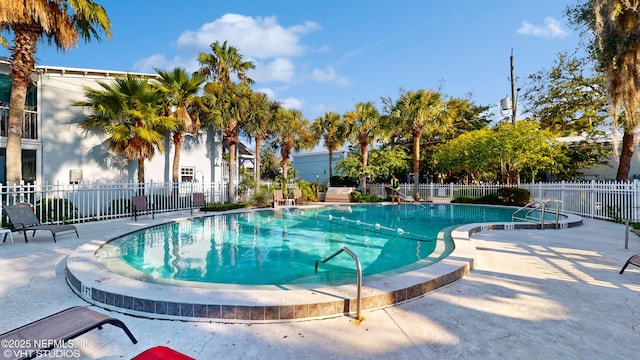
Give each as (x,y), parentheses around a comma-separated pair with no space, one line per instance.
(282,247)
(130,291)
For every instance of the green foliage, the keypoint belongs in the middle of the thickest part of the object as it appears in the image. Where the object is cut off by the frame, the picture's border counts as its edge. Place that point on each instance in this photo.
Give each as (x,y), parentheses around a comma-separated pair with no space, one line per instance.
(224,207)
(382,163)
(501,153)
(514,196)
(504,196)
(54,210)
(261,199)
(308,190)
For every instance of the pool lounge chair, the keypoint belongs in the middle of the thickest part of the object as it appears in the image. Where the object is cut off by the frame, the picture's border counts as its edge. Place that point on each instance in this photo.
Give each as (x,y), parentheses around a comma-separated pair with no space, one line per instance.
(634,260)
(33,339)
(278,198)
(22,218)
(198,201)
(140,204)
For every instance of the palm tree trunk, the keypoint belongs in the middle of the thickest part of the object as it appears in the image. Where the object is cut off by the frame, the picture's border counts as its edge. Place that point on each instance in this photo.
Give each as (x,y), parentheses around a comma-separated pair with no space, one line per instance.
(330,165)
(364,157)
(141,176)
(177,144)
(416,162)
(625,156)
(231,188)
(22,64)
(257,165)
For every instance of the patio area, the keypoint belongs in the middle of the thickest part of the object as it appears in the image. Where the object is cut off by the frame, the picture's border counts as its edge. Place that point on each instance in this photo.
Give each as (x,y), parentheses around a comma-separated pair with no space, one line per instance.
(534,294)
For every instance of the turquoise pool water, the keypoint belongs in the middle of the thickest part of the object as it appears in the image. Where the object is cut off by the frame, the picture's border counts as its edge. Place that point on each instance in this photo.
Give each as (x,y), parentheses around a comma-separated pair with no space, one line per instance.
(282,247)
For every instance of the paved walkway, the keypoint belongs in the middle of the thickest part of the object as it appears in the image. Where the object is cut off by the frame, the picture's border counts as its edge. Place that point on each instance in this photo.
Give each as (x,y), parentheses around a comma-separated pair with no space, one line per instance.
(535,294)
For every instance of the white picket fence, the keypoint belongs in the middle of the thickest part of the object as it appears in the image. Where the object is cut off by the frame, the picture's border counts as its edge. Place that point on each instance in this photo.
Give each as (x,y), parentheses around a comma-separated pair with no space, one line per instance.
(599,200)
(73,203)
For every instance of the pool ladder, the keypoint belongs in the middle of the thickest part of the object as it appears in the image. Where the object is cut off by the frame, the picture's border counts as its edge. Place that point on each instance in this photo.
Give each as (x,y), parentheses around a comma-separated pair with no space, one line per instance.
(359,276)
(537,207)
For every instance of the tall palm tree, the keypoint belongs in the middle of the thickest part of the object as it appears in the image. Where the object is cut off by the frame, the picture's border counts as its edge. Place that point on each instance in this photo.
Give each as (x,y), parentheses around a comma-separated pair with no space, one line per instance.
(331,128)
(262,113)
(180,89)
(615,28)
(58,22)
(291,133)
(231,99)
(363,128)
(128,112)
(223,61)
(231,102)
(418,112)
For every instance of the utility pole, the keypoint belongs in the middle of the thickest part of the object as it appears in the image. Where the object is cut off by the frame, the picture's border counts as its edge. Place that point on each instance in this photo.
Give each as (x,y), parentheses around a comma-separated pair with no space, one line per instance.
(514,101)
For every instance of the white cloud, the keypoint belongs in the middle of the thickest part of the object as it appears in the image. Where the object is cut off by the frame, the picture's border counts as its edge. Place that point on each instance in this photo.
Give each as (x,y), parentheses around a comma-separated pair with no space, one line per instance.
(328,76)
(278,69)
(254,37)
(552,28)
(292,103)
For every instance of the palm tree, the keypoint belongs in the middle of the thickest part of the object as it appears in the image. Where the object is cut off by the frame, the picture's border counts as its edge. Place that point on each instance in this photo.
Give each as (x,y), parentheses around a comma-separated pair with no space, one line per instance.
(363,127)
(59,22)
(128,112)
(231,99)
(615,27)
(418,112)
(179,89)
(291,132)
(222,62)
(331,128)
(231,102)
(262,113)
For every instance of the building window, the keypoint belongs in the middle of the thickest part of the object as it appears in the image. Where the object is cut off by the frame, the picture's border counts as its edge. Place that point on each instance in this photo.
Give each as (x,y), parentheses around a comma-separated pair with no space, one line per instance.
(186,174)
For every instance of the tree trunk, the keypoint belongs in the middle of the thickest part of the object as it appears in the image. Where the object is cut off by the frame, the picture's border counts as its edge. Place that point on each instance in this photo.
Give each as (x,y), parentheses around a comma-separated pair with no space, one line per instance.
(330,165)
(177,144)
(416,162)
(141,176)
(22,64)
(257,165)
(364,157)
(625,155)
(231,188)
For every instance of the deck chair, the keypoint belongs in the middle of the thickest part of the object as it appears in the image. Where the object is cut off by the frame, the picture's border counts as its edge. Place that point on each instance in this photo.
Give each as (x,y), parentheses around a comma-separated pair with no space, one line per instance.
(56,329)
(22,218)
(197,200)
(297,196)
(278,198)
(140,204)
(634,260)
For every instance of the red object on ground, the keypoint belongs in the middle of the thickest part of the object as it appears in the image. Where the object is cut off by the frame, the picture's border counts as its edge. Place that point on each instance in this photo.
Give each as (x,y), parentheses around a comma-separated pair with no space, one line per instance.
(162,353)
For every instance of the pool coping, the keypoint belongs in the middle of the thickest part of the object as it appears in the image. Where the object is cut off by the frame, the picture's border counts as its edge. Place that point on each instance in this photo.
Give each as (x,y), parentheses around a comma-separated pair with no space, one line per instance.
(96,284)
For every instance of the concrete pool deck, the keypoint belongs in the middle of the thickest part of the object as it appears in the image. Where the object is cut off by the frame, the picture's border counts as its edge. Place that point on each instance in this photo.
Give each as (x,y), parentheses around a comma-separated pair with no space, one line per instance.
(533,294)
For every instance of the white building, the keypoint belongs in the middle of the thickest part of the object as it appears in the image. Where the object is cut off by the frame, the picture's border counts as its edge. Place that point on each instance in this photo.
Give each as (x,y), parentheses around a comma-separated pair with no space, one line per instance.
(57,150)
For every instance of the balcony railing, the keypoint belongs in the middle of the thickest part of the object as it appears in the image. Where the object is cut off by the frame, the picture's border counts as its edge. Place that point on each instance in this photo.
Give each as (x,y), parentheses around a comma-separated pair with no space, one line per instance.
(29,123)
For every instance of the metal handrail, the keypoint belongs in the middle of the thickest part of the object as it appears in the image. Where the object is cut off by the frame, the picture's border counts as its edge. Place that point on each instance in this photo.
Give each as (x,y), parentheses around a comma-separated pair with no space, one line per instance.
(535,205)
(359,274)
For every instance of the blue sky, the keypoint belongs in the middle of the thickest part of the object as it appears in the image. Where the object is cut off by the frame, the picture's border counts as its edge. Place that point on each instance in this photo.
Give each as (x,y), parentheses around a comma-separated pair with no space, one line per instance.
(319,56)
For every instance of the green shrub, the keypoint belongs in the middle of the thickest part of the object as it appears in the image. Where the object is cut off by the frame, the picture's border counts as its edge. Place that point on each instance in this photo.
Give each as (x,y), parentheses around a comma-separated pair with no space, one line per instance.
(53,210)
(514,196)
(262,199)
(224,207)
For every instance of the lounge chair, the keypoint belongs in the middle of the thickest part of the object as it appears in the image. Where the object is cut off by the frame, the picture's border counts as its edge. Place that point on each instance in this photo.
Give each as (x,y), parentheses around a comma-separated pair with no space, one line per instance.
(198,200)
(634,260)
(140,204)
(35,338)
(22,218)
(278,198)
(297,196)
